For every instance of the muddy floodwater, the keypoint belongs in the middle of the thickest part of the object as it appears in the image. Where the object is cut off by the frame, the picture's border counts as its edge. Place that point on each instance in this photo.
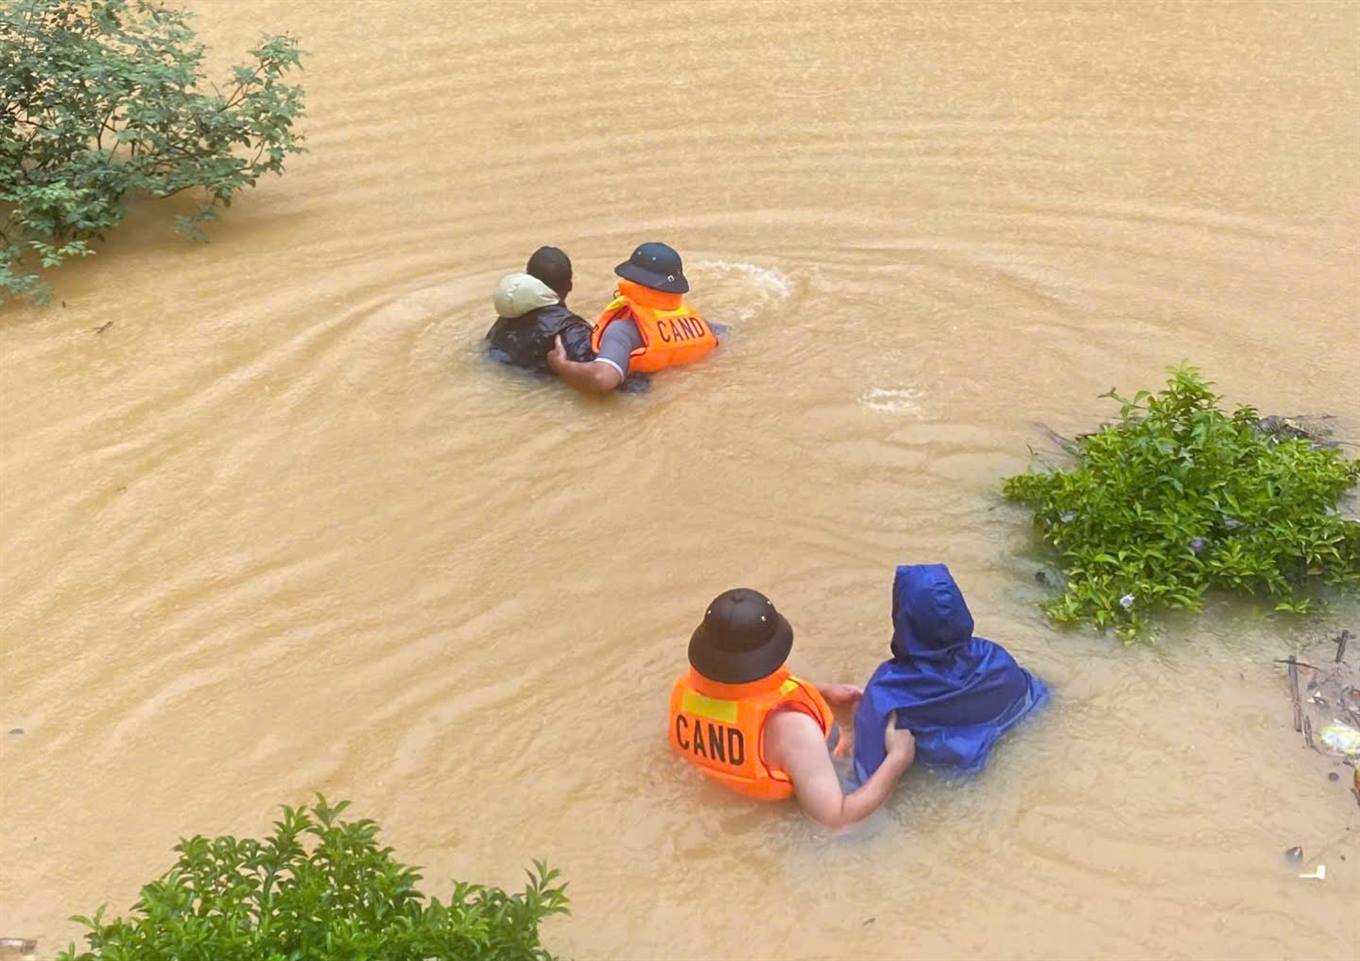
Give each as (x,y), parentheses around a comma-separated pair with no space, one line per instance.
(280,529)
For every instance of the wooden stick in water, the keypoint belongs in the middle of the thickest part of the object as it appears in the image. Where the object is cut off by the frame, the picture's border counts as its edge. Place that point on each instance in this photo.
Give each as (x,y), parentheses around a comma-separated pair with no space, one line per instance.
(1294,692)
(1297,663)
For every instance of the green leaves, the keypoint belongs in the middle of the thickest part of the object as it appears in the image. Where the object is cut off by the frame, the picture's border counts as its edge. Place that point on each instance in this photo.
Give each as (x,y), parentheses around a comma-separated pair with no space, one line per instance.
(319,889)
(1178,498)
(100,99)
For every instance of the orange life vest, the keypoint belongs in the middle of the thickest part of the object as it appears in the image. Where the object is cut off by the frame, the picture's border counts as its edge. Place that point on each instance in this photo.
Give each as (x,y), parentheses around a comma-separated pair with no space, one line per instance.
(672,333)
(721,727)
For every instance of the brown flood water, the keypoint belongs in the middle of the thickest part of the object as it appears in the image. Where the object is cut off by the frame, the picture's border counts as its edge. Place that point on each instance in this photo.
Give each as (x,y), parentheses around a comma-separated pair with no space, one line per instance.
(280,529)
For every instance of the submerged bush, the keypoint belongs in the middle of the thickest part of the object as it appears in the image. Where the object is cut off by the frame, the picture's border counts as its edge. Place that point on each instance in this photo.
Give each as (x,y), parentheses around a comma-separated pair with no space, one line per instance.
(319,889)
(100,99)
(1177,498)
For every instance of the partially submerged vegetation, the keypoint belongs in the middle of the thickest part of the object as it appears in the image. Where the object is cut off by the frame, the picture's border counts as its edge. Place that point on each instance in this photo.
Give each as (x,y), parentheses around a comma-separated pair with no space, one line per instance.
(100,99)
(1177,498)
(319,889)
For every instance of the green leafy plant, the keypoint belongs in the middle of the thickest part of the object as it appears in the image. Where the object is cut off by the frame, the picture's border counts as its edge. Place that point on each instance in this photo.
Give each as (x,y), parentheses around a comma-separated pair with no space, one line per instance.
(101,99)
(1177,498)
(319,889)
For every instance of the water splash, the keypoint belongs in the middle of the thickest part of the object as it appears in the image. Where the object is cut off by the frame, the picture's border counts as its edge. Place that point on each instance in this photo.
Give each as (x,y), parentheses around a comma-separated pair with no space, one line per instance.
(887,400)
(737,291)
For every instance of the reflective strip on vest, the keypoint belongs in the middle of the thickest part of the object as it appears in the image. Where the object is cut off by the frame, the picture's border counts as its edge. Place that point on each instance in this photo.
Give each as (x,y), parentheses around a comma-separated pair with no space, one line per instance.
(710,707)
(716,708)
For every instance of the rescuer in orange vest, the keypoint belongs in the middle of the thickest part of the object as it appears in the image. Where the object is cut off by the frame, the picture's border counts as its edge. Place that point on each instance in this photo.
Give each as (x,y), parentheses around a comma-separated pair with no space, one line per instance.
(745,721)
(647,327)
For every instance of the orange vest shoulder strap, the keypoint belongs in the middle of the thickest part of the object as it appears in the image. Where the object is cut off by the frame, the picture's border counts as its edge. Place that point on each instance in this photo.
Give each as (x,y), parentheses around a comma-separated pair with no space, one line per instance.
(806,698)
(613,310)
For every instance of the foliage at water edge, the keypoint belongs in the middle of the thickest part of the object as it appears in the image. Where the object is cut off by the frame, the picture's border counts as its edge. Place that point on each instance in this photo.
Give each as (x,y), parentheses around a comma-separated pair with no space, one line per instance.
(103,99)
(1177,498)
(320,889)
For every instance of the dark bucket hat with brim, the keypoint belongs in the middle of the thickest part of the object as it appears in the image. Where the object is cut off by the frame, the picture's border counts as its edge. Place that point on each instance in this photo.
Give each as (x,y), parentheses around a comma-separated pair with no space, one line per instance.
(655,265)
(742,638)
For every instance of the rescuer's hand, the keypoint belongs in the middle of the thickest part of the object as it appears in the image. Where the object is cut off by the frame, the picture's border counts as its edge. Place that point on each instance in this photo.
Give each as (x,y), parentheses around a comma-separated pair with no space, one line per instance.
(557,354)
(898,741)
(797,743)
(840,695)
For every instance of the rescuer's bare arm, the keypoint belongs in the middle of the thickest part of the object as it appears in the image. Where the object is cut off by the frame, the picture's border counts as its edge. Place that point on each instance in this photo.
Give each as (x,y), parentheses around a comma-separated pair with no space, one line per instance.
(591,377)
(794,742)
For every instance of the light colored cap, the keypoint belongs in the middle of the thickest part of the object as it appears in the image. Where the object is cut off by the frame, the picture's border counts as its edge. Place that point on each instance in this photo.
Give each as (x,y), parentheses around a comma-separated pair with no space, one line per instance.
(517,294)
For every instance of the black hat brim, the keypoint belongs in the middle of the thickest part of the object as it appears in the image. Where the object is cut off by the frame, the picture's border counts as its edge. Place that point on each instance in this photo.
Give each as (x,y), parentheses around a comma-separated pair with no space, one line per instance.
(650,278)
(741,667)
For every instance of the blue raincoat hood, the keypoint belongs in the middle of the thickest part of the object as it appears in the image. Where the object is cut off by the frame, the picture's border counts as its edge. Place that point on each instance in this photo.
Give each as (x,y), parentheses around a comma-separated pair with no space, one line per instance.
(956,693)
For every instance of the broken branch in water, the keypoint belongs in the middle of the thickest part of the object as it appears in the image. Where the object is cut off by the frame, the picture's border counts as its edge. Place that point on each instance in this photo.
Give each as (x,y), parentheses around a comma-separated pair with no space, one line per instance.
(1341,645)
(1058,439)
(1297,663)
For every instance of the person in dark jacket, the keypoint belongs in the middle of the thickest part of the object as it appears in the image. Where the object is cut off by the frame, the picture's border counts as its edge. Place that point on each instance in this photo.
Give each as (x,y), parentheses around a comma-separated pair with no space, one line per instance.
(955,692)
(531,310)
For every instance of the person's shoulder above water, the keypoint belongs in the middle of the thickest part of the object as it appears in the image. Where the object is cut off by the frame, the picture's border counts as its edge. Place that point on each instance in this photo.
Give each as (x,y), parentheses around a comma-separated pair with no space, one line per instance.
(956,692)
(524,297)
(519,293)
(617,344)
(531,313)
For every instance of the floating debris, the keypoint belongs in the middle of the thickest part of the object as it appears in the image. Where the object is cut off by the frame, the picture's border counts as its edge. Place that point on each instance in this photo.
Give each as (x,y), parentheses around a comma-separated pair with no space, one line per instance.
(1316,430)
(1327,709)
(13,948)
(1318,873)
(1341,738)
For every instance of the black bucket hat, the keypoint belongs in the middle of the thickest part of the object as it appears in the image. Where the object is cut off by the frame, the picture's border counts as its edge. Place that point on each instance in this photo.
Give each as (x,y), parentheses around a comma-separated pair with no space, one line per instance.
(742,638)
(655,265)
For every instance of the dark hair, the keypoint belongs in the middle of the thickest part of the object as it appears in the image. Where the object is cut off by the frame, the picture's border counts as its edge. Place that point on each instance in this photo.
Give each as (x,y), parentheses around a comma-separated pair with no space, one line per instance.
(553,267)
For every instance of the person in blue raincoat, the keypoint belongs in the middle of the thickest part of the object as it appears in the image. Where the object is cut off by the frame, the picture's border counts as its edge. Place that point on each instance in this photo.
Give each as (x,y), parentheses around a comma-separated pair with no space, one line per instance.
(956,693)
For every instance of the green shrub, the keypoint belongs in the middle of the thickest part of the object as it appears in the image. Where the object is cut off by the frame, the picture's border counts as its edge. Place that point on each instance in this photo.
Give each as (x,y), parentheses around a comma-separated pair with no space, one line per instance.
(319,889)
(1177,498)
(99,99)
